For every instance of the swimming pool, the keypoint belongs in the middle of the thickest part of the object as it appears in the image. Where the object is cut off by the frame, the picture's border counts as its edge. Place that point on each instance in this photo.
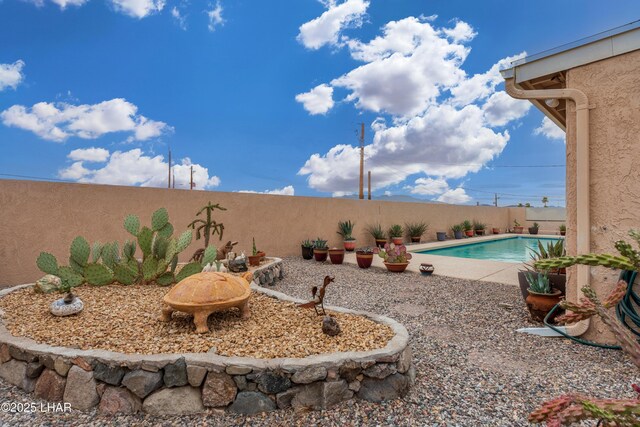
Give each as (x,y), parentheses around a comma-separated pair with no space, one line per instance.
(512,249)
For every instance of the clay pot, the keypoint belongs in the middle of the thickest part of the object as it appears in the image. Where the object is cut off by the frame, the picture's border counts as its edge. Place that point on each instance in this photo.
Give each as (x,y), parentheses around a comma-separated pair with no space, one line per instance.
(556,280)
(364,259)
(415,239)
(396,267)
(495,230)
(381,242)
(397,240)
(479,232)
(336,255)
(562,233)
(349,245)
(518,230)
(441,236)
(262,254)
(254,260)
(533,230)
(307,252)
(320,254)
(468,233)
(540,305)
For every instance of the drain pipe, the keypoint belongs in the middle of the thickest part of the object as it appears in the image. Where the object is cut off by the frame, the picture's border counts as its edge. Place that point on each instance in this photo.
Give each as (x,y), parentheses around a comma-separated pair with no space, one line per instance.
(583,221)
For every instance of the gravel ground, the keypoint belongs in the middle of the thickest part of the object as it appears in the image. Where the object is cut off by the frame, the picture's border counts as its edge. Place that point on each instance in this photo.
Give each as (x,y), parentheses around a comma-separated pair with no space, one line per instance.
(473,369)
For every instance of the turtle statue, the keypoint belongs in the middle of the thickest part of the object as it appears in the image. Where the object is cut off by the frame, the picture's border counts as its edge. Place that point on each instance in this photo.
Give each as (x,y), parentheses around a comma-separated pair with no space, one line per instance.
(204,293)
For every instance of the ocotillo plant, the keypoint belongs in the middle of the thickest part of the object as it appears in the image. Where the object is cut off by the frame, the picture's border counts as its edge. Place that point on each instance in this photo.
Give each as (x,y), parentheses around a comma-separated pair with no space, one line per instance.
(206,227)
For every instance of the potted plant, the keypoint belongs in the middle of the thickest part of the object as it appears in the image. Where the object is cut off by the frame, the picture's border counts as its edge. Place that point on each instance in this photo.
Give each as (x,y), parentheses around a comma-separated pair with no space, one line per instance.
(534,229)
(457,229)
(396,258)
(395,233)
(478,227)
(254,259)
(441,236)
(378,234)
(416,230)
(307,249)
(364,257)
(345,229)
(495,230)
(467,227)
(542,297)
(557,276)
(320,250)
(517,228)
(336,255)
(563,229)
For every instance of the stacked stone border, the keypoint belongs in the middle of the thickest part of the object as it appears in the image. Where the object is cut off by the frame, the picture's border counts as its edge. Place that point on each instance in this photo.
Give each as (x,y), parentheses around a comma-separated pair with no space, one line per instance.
(269,274)
(172,384)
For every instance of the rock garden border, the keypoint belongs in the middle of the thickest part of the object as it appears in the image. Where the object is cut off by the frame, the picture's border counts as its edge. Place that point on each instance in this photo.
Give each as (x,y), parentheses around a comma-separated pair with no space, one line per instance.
(173,384)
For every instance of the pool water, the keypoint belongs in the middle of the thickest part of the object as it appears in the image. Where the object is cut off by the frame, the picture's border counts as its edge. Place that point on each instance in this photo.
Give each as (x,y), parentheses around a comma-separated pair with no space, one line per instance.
(513,249)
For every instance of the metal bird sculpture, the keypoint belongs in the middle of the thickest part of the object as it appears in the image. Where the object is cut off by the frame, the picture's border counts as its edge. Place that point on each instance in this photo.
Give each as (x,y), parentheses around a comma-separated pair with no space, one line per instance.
(318,296)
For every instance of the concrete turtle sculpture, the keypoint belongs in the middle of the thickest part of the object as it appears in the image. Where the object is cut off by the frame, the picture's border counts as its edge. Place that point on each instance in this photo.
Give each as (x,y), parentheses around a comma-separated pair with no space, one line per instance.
(204,293)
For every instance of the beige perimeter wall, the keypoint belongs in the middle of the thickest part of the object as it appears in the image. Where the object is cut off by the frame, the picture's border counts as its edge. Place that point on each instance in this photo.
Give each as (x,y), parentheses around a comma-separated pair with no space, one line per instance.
(42,216)
(613,89)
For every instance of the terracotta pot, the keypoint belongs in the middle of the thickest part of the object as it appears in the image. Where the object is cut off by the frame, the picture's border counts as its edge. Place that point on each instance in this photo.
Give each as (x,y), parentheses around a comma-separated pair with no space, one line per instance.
(479,232)
(441,236)
(562,233)
(397,240)
(364,259)
(254,260)
(540,305)
(533,230)
(349,245)
(307,252)
(468,233)
(495,230)
(381,242)
(556,280)
(336,255)
(396,267)
(320,254)
(415,239)
(518,230)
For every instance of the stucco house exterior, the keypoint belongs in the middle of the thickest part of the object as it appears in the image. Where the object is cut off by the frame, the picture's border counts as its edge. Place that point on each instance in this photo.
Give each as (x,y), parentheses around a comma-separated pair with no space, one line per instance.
(591,89)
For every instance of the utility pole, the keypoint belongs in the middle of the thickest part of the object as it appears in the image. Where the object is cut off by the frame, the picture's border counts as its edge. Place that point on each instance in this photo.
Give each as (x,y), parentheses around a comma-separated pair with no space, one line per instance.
(369,196)
(174,179)
(361,193)
(192,184)
(169,182)
(495,200)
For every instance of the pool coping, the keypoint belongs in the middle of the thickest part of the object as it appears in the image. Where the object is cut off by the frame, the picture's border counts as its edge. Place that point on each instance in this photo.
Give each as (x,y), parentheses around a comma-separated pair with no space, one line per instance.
(462,268)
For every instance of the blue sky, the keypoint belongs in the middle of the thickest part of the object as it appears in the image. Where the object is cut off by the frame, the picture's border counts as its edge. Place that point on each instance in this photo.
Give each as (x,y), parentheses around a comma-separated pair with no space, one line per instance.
(268,96)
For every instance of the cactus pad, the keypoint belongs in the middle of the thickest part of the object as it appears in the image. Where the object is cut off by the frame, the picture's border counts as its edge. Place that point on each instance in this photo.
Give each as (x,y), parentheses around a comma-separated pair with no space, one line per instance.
(166,231)
(149,267)
(80,250)
(132,224)
(209,255)
(159,219)
(70,276)
(96,252)
(129,250)
(123,274)
(47,263)
(160,245)
(145,239)
(188,270)
(98,274)
(165,279)
(183,241)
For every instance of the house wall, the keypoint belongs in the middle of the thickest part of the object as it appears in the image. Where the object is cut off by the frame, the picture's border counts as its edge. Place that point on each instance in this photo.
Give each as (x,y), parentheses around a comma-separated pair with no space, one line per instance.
(43,216)
(613,89)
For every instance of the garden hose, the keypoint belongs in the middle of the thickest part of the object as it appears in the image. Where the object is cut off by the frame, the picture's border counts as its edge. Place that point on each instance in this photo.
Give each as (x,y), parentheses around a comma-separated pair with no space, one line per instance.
(625,310)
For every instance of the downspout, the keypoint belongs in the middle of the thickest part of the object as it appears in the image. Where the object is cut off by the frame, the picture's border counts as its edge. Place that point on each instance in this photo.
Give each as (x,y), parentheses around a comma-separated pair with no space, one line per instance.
(583,221)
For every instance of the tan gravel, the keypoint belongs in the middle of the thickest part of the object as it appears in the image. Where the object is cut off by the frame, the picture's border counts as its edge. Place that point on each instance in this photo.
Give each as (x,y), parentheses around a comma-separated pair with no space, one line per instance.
(126,319)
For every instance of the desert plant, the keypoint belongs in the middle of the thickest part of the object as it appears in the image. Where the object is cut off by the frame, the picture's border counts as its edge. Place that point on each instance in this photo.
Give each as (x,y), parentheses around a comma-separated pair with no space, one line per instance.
(393,253)
(206,227)
(307,243)
(538,284)
(320,244)
(364,250)
(457,227)
(516,223)
(478,226)
(376,231)
(552,250)
(545,200)
(396,231)
(416,229)
(345,229)
(562,227)
(467,225)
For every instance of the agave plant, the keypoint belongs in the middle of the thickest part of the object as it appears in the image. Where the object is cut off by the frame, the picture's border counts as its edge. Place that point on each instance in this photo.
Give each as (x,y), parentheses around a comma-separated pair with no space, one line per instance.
(345,229)
(538,284)
(376,231)
(416,229)
(396,230)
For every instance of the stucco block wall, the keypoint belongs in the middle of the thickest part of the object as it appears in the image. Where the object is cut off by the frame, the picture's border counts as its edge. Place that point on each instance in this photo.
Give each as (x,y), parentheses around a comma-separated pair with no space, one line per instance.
(37,216)
(613,89)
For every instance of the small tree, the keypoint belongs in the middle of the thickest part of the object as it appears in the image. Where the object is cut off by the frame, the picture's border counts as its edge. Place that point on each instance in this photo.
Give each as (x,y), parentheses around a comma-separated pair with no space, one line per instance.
(545,200)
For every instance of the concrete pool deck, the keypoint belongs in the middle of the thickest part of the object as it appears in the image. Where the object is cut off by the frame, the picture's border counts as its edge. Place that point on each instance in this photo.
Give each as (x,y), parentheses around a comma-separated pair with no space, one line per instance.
(461,268)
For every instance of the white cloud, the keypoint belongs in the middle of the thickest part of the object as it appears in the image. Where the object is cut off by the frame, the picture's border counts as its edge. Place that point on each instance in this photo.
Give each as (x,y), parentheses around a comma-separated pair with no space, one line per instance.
(429,186)
(92,154)
(215,16)
(326,28)
(456,196)
(500,109)
(59,121)
(462,32)
(11,75)
(133,167)
(318,100)
(180,19)
(549,130)
(64,3)
(284,191)
(138,8)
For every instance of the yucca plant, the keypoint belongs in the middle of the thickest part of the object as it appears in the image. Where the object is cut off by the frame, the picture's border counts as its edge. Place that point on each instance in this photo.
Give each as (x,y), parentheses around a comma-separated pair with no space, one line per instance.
(478,226)
(345,229)
(376,231)
(396,231)
(416,229)
(467,225)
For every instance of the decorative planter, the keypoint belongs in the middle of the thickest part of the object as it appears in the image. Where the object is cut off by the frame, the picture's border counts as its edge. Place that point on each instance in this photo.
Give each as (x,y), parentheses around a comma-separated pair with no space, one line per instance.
(320,254)
(557,281)
(262,254)
(540,305)
(562,233)
(495,230)
(364,259)
(468,233)
(533,230)
(441,236)
(397,240)
(458,234)
(381,242)
(254,260)
(518,230)
(415,239)
(336,255)
(426,269)
(349,245)
(307,252)
(396,267)
(479,232)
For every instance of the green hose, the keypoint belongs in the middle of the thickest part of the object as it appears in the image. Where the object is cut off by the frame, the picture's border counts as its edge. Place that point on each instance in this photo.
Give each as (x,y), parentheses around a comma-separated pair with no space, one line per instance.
(625,310)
